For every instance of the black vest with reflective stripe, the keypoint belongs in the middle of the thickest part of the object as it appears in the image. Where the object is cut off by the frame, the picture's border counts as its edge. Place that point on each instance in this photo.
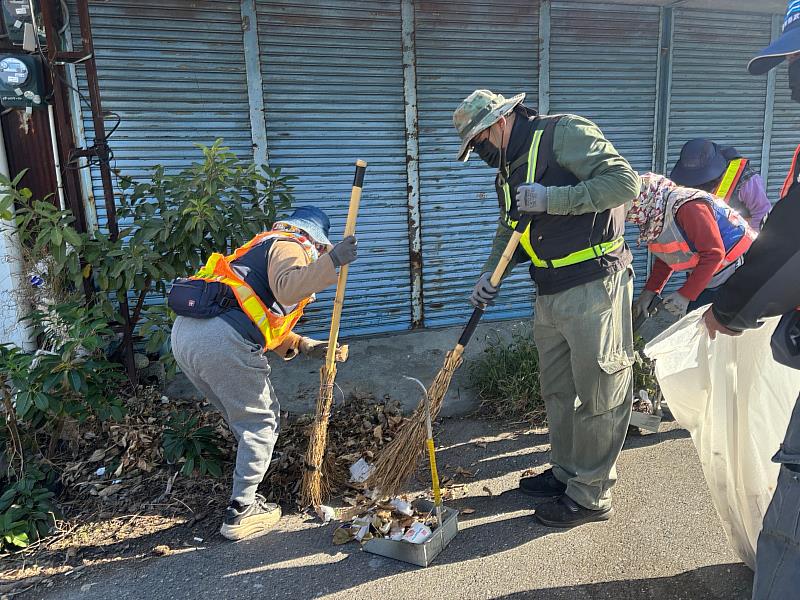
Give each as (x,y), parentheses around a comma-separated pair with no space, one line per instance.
(555,236)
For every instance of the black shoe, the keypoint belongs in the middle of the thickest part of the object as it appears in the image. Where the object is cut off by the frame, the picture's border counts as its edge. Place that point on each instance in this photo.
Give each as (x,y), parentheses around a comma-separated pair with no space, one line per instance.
(565,512)
(245,521)
(543,485)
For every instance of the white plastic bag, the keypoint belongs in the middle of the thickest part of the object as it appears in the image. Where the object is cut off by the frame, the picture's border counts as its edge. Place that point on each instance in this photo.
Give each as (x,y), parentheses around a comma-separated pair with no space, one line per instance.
(735,401)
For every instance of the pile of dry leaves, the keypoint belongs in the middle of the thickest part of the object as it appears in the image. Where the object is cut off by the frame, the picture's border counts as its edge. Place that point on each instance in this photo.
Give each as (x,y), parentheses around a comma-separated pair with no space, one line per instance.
(119,494)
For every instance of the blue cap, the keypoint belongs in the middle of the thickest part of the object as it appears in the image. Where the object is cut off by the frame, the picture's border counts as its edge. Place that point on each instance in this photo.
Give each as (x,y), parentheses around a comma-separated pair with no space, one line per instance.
(313,221)
(788,43)
(701,161)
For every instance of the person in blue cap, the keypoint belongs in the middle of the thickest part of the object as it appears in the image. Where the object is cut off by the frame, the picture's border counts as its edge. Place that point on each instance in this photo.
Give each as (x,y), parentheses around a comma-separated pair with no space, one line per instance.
(724,172)
(230,313)
(768,285)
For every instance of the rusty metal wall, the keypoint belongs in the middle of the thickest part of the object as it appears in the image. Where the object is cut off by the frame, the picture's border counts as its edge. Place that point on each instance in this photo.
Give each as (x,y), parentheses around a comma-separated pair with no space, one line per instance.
(28,146)
(462,47)
(333,88)
(174,71)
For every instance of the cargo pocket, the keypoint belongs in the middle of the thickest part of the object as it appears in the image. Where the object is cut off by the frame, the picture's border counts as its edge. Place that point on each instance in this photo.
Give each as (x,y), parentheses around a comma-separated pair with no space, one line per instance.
(616,354)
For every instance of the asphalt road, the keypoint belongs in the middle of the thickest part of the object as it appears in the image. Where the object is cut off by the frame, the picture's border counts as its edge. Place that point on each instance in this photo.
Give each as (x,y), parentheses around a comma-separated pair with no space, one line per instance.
(665,541)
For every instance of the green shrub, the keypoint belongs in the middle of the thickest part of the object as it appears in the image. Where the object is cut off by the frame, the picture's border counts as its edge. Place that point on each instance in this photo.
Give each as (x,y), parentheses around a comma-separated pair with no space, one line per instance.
(506,378)
(197,446)
(26,511)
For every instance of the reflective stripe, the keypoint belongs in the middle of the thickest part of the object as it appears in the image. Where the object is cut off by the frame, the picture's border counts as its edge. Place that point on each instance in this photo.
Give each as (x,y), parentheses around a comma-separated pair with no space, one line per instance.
(677,246)
(732,175)
(525,241)
(580,256)
(274,328)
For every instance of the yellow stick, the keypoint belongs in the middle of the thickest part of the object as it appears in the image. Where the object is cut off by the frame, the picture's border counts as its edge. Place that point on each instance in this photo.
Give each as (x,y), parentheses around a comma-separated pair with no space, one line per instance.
(349,229)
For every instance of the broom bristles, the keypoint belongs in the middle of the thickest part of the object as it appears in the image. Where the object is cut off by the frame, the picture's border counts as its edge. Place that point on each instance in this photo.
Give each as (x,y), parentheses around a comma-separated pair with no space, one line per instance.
(398,461)
(315,486)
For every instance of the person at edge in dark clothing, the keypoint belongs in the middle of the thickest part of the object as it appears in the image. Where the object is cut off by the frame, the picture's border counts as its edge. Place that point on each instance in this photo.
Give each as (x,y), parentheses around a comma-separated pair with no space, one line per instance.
(768,285)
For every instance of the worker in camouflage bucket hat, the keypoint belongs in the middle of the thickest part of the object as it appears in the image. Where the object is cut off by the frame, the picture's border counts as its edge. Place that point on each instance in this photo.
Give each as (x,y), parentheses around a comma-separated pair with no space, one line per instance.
(564,173)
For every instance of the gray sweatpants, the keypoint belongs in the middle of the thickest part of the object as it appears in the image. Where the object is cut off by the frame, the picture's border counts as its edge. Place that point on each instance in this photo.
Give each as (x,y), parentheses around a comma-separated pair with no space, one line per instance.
(233,374)
(778,552)
(585,341)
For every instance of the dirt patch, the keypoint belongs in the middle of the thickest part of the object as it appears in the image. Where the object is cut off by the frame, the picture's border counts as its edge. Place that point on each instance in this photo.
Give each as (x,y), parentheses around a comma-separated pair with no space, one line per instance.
(120,501)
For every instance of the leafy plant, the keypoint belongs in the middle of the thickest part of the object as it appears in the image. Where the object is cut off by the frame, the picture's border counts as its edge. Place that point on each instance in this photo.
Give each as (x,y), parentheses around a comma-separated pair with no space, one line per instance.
(506,377)
(26,511)
(72,377)
(197,446)
(168,225)
(644,377)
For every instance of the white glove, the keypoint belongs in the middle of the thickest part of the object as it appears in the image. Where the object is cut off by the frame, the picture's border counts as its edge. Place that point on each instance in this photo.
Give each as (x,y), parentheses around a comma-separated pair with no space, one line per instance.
(531,198)
(676,304)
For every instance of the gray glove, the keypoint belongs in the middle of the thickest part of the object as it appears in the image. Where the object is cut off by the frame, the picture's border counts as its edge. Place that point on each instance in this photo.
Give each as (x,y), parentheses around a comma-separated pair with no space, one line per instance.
(345,251)
(532,198)
(642,302)
(484,292)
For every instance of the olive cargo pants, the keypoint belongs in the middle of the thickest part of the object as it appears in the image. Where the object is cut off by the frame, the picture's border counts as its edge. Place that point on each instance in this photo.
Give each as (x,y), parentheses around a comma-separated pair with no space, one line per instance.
(585,341)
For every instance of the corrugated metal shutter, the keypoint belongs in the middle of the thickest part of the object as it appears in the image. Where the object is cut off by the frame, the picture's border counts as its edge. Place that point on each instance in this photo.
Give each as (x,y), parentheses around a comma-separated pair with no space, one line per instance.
(713,95)
(785,134)
(333,89)
(174,72)
(603,66)
(462,47)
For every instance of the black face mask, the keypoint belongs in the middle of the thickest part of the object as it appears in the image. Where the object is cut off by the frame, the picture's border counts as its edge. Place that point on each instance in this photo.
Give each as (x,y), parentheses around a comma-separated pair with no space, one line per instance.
(489,153)
(794,80)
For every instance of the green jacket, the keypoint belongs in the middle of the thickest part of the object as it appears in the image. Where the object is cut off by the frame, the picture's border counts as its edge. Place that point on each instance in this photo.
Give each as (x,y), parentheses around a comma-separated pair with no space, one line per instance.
(605,179)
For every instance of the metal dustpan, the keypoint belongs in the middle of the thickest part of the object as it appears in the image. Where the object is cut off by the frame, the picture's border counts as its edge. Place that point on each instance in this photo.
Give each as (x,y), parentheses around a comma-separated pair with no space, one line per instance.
(419,554)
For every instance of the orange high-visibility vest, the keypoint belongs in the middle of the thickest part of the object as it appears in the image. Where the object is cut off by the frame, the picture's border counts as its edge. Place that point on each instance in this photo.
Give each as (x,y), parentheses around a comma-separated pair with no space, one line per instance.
(275,328)
(732,176)
(790,178)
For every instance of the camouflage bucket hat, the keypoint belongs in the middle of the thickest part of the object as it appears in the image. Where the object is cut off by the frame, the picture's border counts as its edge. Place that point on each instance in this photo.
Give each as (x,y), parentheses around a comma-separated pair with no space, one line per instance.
(479,110)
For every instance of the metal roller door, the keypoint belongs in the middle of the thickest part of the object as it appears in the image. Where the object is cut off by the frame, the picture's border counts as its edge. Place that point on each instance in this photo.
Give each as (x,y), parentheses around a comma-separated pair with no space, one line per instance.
(333,90)
(603,66)
(462,47)
(174,72)
(785,134)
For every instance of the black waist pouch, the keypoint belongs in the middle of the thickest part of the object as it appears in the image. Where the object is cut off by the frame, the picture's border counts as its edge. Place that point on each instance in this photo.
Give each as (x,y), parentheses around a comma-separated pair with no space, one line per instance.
(786,340)
(200,299)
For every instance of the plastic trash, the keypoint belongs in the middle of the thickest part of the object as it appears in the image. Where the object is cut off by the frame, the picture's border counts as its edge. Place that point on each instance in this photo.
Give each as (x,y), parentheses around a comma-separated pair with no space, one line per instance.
(360,471)
(735,401)
(417,533)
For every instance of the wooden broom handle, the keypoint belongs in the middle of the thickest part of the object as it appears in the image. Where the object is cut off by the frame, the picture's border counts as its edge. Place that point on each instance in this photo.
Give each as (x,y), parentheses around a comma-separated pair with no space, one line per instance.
(349,229)
(497,276)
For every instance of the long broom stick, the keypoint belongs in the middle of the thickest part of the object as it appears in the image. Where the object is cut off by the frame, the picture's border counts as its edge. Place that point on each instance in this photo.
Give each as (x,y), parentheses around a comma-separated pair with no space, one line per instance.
(398,461)
(314,488)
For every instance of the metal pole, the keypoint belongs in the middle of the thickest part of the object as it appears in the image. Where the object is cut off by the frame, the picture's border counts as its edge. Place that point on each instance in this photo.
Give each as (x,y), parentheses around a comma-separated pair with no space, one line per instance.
(412,162)
(544,57)
(97,117)
(255,84)
(56,158)
(769,108)
(102,150)
(64,136)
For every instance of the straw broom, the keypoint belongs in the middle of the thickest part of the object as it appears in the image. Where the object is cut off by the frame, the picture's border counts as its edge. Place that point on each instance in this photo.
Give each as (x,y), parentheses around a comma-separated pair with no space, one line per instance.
(398,461)
(316,485)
